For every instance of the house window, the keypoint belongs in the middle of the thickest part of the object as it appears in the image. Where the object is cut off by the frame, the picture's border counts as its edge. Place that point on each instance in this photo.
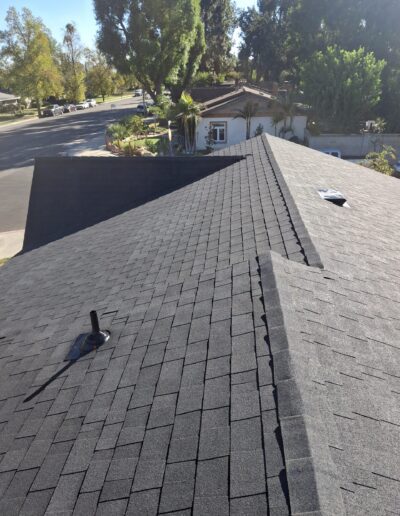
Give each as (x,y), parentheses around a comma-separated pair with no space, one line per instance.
(218,132)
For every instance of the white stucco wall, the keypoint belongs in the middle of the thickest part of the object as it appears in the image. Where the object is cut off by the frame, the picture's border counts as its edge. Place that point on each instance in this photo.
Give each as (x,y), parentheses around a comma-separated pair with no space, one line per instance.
(354,145)
(236,129)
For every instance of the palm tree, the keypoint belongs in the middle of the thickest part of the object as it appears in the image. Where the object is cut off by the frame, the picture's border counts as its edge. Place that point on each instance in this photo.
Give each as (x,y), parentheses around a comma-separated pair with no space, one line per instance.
(285,113)
(189,111)
(247,112)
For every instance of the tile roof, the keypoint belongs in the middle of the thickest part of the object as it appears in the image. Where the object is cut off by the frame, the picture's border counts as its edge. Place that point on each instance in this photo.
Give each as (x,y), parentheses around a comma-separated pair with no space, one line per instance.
(234,95)
(253,359)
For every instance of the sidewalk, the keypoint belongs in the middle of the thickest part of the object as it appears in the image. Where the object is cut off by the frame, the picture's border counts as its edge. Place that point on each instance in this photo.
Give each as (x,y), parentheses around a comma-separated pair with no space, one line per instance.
(11,243)
(94,147)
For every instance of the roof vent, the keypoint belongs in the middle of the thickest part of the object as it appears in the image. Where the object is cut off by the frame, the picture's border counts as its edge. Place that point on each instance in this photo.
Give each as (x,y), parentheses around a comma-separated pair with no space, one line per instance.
(87,342)
(334,196)
(84,344)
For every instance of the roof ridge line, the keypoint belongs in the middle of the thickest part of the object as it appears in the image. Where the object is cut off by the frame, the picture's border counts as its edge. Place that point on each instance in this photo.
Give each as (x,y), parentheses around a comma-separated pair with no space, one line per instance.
(311,254)
(310,470)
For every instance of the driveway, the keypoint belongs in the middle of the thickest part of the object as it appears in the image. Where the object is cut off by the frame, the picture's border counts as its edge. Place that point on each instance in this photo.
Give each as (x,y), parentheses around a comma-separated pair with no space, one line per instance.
(71,133)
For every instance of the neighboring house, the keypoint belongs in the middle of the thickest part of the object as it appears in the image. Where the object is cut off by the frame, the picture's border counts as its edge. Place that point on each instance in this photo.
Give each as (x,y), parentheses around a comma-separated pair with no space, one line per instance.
(253,363)
(219,125)
(6,99)
(205,93)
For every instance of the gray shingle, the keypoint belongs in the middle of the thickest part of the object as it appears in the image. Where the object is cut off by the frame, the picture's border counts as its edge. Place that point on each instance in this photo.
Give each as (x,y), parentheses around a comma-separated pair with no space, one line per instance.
(144,502)
(212,478)
(66,493)
(178,487)
(178,386)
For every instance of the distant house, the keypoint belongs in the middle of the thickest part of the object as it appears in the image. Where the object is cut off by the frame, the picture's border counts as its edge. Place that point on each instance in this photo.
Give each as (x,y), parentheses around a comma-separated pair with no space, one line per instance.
(206,93)
(221,126)
(7,99)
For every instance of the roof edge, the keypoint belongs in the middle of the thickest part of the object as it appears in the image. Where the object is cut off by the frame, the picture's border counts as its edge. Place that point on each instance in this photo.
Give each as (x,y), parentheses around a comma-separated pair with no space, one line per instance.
(312,256)
(311,474)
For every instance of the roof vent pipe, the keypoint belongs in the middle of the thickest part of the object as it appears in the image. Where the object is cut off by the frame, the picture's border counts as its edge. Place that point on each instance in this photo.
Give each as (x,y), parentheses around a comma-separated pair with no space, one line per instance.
(88,342)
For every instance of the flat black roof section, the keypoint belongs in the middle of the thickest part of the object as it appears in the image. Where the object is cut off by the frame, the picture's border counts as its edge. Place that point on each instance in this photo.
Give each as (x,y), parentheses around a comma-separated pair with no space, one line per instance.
(71,193)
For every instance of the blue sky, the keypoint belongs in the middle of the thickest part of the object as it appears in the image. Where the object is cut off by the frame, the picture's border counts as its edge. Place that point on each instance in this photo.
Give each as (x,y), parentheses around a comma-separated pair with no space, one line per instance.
(56,14)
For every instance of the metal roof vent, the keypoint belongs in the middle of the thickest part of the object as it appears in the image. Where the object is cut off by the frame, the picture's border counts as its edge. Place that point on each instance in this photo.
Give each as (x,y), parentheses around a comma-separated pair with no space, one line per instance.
(334,196)
(87,342)
(84,344)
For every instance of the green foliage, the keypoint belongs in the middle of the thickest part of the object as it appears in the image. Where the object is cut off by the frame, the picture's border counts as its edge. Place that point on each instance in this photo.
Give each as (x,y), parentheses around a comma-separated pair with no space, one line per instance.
(72,69)
(381,161)
(29,56)
(219,23)
(259,130)
(151,39)
(134,124)
(162,108)
(118,131)
(99,78)
(128,126)
(265,34)
(203,79)
(342,86)
(389,107)
(188,113)
(152,145)
(249,110)
(118,84)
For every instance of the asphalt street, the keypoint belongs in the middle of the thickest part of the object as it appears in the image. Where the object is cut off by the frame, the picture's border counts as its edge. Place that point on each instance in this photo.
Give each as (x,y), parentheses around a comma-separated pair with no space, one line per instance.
(21,143)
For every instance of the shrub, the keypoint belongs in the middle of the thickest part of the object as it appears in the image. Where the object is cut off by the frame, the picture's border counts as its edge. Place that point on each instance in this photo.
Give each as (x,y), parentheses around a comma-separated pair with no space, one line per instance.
(381,161)
(118,131)
(135,124)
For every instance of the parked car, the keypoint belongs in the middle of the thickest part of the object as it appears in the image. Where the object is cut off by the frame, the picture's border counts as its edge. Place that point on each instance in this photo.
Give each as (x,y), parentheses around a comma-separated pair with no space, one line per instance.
(91,102)
(52,110)
(68,108)
(142,109)
(138,93)
(82,105)
(332,152)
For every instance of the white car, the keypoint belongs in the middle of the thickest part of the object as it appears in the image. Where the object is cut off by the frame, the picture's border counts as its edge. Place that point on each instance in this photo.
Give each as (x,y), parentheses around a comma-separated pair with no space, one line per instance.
(91,102)
(82,105)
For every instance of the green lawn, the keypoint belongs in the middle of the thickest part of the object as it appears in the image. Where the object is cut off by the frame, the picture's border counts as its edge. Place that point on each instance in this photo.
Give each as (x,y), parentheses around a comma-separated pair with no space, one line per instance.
(6,118)
(110,98)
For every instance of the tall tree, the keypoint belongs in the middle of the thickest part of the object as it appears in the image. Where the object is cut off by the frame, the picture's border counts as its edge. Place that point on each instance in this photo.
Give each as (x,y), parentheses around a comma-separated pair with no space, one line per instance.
(342,86)
(151,39)
(265,33)
(99,76)
(72,68)
(189,69)
(29,53)
(219,23)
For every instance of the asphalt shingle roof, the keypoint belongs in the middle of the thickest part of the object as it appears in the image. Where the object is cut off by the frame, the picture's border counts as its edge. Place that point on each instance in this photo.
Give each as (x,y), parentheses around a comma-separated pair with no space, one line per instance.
(253,360)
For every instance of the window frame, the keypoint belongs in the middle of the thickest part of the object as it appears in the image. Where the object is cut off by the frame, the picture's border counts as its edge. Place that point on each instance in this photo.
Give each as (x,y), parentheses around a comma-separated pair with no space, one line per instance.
(222,125)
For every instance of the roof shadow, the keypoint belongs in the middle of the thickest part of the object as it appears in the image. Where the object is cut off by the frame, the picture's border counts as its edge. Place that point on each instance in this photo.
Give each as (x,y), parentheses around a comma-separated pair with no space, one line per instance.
(69,194)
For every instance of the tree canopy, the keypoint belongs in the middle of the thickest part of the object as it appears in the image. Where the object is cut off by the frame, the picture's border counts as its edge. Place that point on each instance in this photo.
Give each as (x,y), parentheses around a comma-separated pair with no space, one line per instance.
(28,54)
(151,39)
(219,21)
(71,65)
(342,86)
